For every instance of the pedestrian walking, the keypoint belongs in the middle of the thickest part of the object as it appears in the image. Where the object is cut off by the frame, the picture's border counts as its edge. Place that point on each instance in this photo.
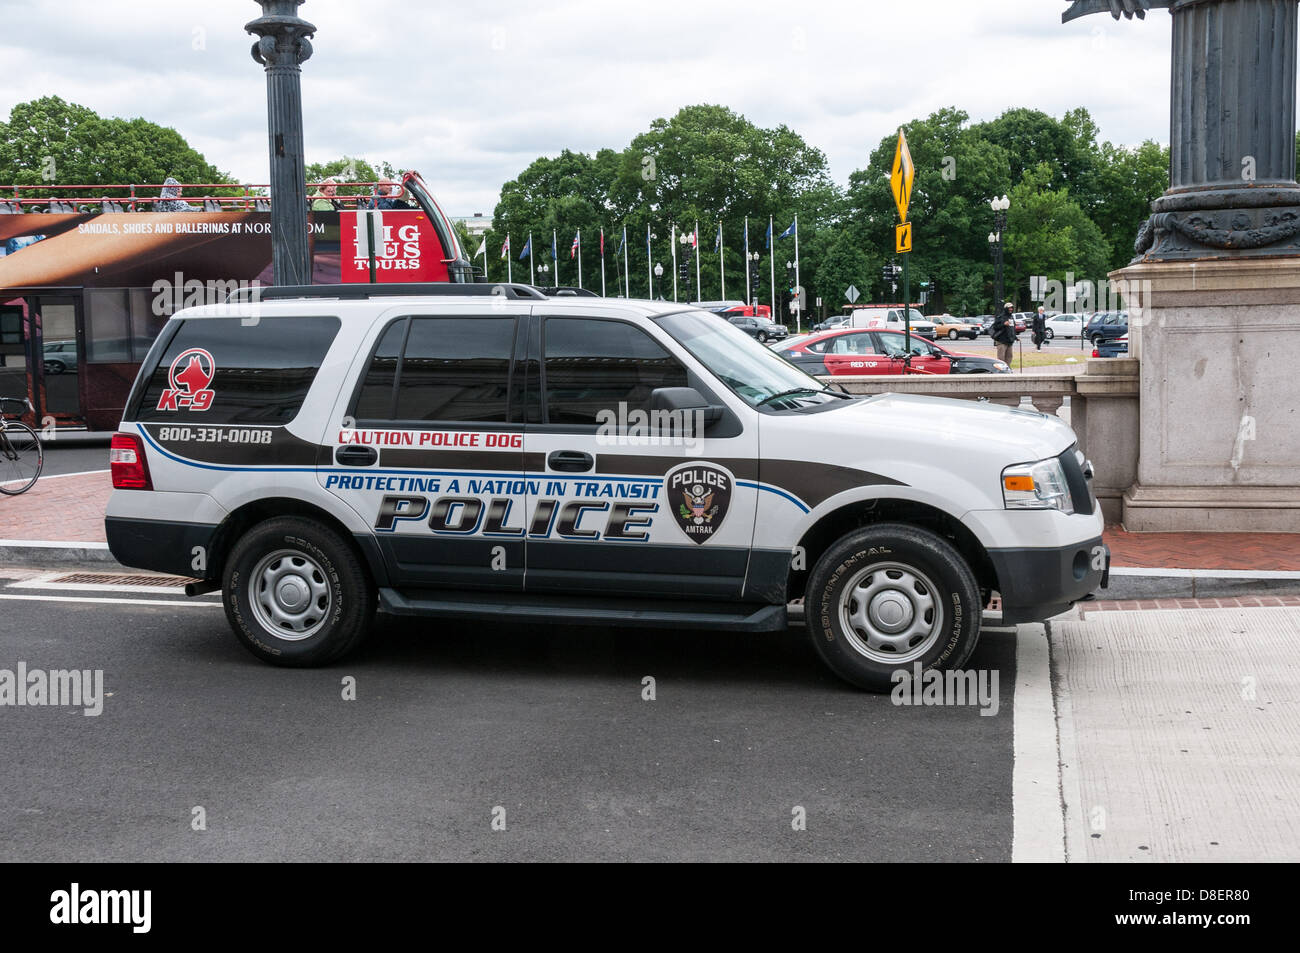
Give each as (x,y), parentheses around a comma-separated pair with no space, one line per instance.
(1039,327)
(1003,332)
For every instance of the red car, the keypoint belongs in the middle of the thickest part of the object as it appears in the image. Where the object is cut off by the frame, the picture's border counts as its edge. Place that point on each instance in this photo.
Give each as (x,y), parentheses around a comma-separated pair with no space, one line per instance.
(857,351)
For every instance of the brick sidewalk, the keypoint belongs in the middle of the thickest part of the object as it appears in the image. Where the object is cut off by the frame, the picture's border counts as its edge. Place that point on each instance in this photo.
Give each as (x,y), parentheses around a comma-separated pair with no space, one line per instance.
(58,508)
(1269,552)
(72,508)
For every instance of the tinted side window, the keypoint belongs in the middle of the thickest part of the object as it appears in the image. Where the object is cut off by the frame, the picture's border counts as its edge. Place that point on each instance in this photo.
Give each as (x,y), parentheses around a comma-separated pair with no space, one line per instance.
(378,390)
(241,374)
(456,369)
(593,365)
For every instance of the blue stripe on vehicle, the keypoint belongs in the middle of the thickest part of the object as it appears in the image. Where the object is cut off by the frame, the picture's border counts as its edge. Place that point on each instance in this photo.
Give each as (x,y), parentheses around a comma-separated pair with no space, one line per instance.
(490,474)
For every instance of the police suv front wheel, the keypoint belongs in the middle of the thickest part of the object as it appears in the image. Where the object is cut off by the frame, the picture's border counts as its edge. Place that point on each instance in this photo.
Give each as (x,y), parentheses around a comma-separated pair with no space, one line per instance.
(889,597)
(296,594)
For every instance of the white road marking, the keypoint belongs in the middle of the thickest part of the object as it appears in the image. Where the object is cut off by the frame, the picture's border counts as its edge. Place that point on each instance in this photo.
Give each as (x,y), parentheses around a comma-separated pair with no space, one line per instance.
(57,476)
(53,544)
(104,600)
(1037,813)
(1207,573)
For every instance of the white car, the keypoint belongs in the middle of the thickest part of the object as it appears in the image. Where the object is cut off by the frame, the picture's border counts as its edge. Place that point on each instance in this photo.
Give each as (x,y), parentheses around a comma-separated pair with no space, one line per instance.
(486,454)
(1064,326)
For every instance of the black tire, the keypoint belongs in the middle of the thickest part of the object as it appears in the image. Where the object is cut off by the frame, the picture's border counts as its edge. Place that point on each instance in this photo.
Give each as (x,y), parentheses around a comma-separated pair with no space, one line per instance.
(1049,334)
(1095,340)
(328,570)
(55,367)
(952,335)
(21,458)
(939,578)
(762,337)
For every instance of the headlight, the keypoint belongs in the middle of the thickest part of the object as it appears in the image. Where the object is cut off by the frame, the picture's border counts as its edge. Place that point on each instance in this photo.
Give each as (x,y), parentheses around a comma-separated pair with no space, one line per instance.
(1000,365)
(1036,486)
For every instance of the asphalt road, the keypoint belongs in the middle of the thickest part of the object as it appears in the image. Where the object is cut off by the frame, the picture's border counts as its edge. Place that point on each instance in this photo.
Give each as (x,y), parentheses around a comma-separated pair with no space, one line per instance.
(62,456)
(450,723)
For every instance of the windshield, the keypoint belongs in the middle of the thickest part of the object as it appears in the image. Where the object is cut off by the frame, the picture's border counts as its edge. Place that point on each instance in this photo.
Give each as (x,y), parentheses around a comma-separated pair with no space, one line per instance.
(753,372)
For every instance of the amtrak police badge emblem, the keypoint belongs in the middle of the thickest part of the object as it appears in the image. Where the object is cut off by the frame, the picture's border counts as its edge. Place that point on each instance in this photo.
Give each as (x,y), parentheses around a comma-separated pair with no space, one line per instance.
(699,495)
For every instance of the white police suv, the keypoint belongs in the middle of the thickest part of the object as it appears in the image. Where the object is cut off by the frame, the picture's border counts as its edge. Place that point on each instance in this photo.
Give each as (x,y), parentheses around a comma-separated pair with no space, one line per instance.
(475,452)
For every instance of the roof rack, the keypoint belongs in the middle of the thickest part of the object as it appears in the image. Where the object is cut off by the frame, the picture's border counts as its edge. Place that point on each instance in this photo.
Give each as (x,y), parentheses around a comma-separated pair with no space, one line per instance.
(513,291)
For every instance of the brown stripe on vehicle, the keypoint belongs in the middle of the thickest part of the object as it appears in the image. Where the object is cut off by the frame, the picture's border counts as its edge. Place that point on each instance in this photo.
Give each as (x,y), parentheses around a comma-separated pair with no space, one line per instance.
(810,482)
(453,459)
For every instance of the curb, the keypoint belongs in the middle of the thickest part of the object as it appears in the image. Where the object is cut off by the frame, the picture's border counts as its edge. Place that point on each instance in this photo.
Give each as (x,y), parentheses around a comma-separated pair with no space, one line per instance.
(45,553)
(1133,583)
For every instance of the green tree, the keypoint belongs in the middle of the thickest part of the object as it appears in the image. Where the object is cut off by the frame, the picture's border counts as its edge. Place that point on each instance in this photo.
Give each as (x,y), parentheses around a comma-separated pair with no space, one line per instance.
(1128,181)
(1049,234)
(347,169)
(49,141)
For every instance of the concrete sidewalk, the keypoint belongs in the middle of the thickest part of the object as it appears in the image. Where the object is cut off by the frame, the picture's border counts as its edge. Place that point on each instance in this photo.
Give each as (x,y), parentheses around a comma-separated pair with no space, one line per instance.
(1179,734)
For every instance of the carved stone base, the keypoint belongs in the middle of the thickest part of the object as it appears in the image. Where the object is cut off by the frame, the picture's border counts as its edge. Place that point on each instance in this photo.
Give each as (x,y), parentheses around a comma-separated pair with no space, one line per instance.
(1226,233)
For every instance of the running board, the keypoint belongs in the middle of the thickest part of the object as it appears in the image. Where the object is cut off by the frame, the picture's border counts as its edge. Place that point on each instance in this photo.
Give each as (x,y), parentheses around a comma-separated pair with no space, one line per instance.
(579,610)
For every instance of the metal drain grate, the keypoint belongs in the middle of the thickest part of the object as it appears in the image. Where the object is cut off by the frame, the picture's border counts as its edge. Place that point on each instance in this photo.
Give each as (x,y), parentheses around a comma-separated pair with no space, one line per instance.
(119,579)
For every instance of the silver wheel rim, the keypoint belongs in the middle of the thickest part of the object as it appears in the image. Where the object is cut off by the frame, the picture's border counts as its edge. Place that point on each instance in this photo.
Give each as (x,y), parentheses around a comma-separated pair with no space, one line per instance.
(891,613)
(290,595)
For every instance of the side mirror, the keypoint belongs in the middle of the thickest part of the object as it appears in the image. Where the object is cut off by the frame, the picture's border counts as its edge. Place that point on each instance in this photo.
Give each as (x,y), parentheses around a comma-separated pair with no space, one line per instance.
(683,401)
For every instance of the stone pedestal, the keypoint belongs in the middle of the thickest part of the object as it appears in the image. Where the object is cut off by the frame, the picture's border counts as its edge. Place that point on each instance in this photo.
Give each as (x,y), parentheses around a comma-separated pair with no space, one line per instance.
(1220,395)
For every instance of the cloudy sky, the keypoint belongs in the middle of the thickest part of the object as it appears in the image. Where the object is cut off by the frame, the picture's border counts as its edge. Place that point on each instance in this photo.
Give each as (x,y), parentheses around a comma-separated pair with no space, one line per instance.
(470,93)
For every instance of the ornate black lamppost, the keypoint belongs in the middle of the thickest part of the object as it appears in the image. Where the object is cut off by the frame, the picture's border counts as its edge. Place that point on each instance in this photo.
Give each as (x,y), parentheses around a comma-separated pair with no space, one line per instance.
(999,207)
(282,47)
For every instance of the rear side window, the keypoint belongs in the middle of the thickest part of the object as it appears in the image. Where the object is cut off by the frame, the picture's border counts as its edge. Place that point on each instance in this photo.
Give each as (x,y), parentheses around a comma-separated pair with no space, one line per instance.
(223,371)
(445,370)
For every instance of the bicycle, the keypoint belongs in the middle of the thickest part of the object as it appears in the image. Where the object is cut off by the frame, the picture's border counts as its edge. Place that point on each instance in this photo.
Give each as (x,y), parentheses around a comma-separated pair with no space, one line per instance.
(21,454)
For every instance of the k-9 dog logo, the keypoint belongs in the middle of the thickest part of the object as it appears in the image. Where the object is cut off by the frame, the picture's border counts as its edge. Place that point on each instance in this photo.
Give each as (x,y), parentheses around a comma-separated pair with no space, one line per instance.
(190,377)
(699,495)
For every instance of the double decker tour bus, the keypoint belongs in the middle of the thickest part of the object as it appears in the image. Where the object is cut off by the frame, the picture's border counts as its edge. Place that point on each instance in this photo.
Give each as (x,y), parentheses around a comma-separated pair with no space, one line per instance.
(90,274)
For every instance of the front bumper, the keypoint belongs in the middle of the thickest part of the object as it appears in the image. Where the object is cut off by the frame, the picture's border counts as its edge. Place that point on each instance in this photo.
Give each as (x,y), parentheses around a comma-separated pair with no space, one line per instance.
(1038,583)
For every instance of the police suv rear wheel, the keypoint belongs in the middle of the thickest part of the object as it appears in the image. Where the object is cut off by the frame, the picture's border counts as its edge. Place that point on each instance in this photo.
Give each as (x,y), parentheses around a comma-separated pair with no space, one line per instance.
(889,597)
(296,594)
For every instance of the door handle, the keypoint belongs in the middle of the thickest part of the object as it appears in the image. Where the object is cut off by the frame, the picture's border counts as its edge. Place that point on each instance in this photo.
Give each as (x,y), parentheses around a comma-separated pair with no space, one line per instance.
(356,456)
(570,461)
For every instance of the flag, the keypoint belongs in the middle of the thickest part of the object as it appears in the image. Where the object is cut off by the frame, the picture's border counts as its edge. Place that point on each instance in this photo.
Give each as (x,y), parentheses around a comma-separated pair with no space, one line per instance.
(574,249)
(717,243)
(695,238)
(623,242)
(788,232)
(767,242)
(555,254)
(505,248)
(648,252)
(528,249)
(482,248)
(602,241)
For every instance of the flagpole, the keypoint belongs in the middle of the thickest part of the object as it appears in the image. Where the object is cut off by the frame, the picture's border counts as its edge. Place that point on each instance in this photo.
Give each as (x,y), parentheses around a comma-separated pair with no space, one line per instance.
(602,261)
(698,293)
(532,276)
(771,264)
(627,275)
(722,269)
(555,254)
(649,265)
(485,261)
(510,253)
(579,258)
(748,298)
(798,291)
(672,241)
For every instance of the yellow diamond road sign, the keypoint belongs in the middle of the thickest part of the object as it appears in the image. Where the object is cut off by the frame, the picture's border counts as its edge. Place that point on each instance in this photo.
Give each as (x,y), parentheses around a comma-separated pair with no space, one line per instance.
(903,238)
(900,179)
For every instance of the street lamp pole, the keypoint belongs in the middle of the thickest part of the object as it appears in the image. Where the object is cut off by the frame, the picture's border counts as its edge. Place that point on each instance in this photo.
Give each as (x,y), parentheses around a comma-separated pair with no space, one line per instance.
(281,48)
(999,206)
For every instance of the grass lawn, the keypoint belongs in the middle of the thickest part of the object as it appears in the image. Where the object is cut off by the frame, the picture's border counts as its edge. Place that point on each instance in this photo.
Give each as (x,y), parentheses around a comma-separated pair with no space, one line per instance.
(1034,359)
